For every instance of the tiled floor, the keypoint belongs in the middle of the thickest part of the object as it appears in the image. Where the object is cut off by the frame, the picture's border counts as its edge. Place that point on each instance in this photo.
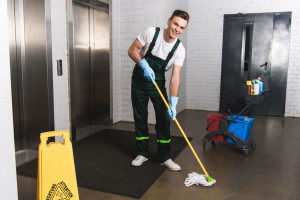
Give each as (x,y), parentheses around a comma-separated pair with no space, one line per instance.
(271,171)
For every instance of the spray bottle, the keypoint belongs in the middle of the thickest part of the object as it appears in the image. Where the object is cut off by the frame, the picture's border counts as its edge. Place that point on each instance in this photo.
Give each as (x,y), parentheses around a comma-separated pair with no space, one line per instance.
(261,84)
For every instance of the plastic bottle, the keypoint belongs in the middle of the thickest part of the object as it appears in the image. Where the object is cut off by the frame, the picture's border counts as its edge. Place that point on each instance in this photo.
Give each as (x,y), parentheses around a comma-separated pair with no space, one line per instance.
(261,84)
(252,87)
(256,87)
(249,88)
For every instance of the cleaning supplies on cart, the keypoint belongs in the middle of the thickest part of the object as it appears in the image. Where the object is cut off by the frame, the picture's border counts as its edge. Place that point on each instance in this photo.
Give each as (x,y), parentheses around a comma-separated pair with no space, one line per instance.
(261,84)
(257,86)
(249,88)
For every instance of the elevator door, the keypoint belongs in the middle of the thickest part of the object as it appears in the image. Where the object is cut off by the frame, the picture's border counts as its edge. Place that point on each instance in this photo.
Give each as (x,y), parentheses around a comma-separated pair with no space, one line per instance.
(82,65)
(91,88)
(250,50)
(31,72)
(100,73)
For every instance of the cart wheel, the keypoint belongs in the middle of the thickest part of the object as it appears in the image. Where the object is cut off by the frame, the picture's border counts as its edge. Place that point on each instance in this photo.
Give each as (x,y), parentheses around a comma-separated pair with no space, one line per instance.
(245,152)
(205,141)
(253,145)
(204,144)
(213,143)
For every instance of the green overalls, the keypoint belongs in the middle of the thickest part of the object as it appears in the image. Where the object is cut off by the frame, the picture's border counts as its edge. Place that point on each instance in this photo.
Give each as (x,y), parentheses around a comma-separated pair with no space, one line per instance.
(141,90)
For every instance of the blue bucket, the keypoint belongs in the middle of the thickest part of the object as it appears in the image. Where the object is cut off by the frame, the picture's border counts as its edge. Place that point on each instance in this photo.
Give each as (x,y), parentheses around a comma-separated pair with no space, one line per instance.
(241,128)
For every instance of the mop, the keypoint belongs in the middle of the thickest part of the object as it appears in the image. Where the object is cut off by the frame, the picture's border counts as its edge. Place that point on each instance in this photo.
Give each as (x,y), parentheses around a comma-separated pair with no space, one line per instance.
(193,178)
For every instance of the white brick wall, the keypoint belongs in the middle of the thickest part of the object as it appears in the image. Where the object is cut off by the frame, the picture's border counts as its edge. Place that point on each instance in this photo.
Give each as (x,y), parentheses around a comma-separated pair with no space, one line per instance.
(60,52)
(135,17)
(116,60)
(8,183)
(204,52)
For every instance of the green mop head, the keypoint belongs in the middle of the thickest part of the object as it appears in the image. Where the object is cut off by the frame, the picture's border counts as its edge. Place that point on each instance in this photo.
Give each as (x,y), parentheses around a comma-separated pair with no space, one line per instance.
(209,179)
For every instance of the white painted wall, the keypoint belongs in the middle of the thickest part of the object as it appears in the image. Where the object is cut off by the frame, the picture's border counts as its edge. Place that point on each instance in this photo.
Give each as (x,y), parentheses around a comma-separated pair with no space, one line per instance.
(60,52)
(205,35)
(136,16)
(8,181)
(116,60)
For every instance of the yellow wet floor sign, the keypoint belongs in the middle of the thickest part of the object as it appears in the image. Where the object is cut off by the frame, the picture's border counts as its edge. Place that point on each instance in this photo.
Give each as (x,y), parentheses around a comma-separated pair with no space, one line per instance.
(56,170)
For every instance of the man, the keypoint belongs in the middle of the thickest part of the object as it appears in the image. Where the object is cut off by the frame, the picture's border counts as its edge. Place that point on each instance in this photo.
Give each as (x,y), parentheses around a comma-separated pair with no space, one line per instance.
(155,51)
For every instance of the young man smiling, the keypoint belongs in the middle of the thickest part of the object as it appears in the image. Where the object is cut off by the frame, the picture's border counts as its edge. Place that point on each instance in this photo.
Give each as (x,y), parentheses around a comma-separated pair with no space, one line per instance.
(155,51)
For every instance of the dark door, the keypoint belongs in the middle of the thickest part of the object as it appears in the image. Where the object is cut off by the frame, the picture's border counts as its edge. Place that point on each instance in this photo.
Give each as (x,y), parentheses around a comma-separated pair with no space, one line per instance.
(250,43)
(231,96)
(280,50)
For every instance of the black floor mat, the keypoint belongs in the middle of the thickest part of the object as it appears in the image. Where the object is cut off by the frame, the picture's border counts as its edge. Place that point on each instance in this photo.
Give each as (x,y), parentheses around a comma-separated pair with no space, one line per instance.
(102,163)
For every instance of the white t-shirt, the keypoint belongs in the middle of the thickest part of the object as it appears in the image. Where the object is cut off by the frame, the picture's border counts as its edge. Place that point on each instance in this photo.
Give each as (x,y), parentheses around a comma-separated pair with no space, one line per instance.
(161,48)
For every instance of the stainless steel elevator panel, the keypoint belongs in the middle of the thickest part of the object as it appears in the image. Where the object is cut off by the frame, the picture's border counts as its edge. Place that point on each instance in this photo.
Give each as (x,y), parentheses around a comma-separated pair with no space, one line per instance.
(14,47)
(31,71)
(101,110)
(90,88)
(35,84)
(82,69)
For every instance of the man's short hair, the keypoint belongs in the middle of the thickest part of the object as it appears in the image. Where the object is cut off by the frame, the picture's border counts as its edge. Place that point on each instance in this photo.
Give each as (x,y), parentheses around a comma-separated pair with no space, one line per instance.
(181,13)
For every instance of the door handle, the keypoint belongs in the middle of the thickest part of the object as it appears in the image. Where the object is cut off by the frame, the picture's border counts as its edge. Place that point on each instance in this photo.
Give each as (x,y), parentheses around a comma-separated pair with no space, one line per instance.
(265,64)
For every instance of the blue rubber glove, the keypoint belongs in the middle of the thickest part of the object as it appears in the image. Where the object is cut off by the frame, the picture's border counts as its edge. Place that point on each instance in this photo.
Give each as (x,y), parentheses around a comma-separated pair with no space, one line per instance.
(148,72)
(172,110)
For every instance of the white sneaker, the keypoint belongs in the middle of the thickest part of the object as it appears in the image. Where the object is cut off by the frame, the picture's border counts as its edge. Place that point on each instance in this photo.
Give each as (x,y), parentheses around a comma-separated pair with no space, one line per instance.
(171,165)
(139,160)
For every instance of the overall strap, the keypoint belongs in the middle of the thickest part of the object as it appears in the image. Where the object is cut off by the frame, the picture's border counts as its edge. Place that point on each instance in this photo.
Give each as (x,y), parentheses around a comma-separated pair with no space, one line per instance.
(152,42)
(170,55)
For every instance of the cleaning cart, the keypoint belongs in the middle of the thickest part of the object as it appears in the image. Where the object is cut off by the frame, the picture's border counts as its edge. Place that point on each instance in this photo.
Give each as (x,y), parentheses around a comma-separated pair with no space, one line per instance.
(233,128)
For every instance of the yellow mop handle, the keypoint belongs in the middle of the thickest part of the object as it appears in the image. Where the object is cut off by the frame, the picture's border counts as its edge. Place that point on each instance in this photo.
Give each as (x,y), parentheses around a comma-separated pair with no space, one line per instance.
(186,139)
